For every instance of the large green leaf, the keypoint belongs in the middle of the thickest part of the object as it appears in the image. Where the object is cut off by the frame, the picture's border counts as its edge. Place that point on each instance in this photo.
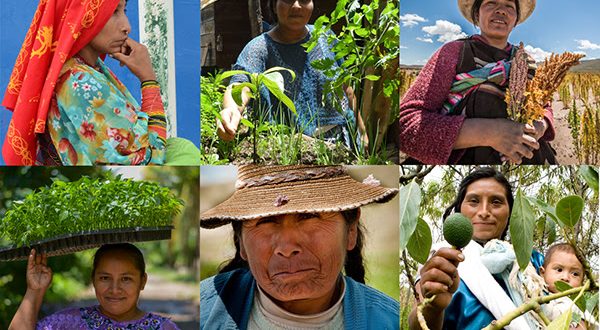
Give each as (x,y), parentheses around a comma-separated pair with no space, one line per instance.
(410,200)
(419,243)
(273,87)
(228,74)
(277,78)
(592,302)
(522,224)
(236,92)
(279,68)
(590,175)
(545,207)
(563,286)
(562,322)
(569,209)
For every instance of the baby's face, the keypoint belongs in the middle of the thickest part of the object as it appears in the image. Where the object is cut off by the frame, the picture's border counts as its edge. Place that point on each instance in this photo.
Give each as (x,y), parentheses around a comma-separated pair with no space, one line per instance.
(563,266)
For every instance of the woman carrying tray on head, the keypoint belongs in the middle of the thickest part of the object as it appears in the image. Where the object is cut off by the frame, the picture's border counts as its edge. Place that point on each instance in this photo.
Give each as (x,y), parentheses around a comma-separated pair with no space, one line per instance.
(118,276)
(455,111)
(68,107)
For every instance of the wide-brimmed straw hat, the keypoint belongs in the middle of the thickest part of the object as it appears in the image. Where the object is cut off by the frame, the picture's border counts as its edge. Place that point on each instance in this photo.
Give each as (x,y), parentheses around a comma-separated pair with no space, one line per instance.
(526,7)
(274,190)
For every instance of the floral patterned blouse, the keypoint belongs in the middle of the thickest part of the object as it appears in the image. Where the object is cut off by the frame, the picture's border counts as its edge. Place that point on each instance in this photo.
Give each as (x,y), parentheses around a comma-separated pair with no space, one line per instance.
(90,318)
(95,120)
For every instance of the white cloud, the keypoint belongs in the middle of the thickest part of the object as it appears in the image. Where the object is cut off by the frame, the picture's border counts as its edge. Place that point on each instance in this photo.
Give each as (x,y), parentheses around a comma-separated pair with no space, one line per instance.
(447,31)
(586,44)
(538,54)
(429,40)
(403,47)
(411,20)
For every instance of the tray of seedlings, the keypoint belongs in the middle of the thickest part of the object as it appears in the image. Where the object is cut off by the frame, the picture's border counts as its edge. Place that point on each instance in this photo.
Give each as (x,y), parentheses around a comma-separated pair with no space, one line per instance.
(68,217)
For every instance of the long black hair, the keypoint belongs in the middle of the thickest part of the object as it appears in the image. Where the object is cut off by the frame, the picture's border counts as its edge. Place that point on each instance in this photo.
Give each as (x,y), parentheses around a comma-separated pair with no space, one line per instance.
(478,174)
(128,249)
(353,265)
(477,5)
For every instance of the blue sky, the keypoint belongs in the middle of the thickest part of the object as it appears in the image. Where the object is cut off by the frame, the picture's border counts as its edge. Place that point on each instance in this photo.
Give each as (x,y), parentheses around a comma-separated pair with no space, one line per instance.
(555,26)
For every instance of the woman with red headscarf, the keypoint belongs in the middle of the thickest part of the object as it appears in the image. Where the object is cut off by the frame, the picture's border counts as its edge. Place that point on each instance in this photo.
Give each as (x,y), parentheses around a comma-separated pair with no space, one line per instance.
(68,107)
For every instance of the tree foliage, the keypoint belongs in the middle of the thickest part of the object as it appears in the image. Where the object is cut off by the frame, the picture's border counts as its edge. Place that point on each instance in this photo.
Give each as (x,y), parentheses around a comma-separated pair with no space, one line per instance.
(551,204)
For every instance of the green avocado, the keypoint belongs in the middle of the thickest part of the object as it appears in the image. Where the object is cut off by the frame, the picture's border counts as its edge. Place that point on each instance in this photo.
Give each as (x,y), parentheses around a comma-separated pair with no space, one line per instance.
(458,230)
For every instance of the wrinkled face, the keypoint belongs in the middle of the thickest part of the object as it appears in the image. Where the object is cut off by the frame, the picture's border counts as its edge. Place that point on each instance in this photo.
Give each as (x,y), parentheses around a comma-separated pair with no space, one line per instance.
(118,283)
(563,266)
(112,37)
(497,18)
(296,257)
(486,204)
(294,14)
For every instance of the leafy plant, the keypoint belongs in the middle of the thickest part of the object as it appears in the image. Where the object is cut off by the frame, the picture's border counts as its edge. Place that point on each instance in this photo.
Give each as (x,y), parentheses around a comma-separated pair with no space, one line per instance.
(273,81)
(214,151)
(543,218)
(369,47)
(88,205)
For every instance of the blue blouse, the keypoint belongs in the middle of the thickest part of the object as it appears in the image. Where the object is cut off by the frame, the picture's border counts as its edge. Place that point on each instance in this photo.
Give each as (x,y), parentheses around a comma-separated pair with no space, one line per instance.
(313,108)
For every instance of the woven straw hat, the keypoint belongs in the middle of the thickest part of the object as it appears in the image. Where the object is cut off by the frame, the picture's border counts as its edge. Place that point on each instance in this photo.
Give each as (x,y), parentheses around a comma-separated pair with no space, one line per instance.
(273,190)
(526,7)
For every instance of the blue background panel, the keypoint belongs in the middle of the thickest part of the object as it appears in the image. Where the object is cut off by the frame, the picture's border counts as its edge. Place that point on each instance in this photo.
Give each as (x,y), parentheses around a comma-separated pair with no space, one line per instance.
(16,16)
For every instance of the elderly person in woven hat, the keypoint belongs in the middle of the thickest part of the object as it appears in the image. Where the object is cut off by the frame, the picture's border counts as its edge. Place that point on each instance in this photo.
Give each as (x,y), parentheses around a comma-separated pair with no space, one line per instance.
(296,229)
(455,111)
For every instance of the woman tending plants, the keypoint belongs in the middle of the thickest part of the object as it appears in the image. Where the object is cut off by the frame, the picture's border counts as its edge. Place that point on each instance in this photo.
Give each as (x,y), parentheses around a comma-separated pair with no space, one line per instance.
(330,95)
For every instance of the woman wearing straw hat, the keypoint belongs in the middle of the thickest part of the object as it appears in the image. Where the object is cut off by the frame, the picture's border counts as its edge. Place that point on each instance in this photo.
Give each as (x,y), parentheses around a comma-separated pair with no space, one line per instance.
(295,229)
(68,107)
(118,276)
(455,111)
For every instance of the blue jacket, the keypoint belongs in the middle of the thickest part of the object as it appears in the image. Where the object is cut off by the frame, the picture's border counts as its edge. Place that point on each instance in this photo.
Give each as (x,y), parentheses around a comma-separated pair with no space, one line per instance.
(226,300)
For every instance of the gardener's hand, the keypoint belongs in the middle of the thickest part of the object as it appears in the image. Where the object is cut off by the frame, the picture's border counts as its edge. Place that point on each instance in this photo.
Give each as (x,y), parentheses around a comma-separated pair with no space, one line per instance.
(512,140)
(228,125)
(137,59)
(39,275)
(439,277)
(538,128)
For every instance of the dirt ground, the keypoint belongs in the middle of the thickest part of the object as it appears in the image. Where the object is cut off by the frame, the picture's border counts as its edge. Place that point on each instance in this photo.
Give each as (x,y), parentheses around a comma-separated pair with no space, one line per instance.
(563,142)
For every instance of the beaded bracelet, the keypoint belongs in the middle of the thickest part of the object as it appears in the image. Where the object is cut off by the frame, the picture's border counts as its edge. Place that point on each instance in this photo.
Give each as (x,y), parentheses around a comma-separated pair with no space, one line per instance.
(148,83)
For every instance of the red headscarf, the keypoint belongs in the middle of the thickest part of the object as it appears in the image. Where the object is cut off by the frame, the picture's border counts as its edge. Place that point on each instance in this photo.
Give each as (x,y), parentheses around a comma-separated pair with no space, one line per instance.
(59,30)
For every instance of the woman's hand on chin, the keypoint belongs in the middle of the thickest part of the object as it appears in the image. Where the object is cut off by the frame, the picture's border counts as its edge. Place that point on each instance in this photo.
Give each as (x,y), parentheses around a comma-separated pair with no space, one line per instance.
(439,277)
(137,59)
